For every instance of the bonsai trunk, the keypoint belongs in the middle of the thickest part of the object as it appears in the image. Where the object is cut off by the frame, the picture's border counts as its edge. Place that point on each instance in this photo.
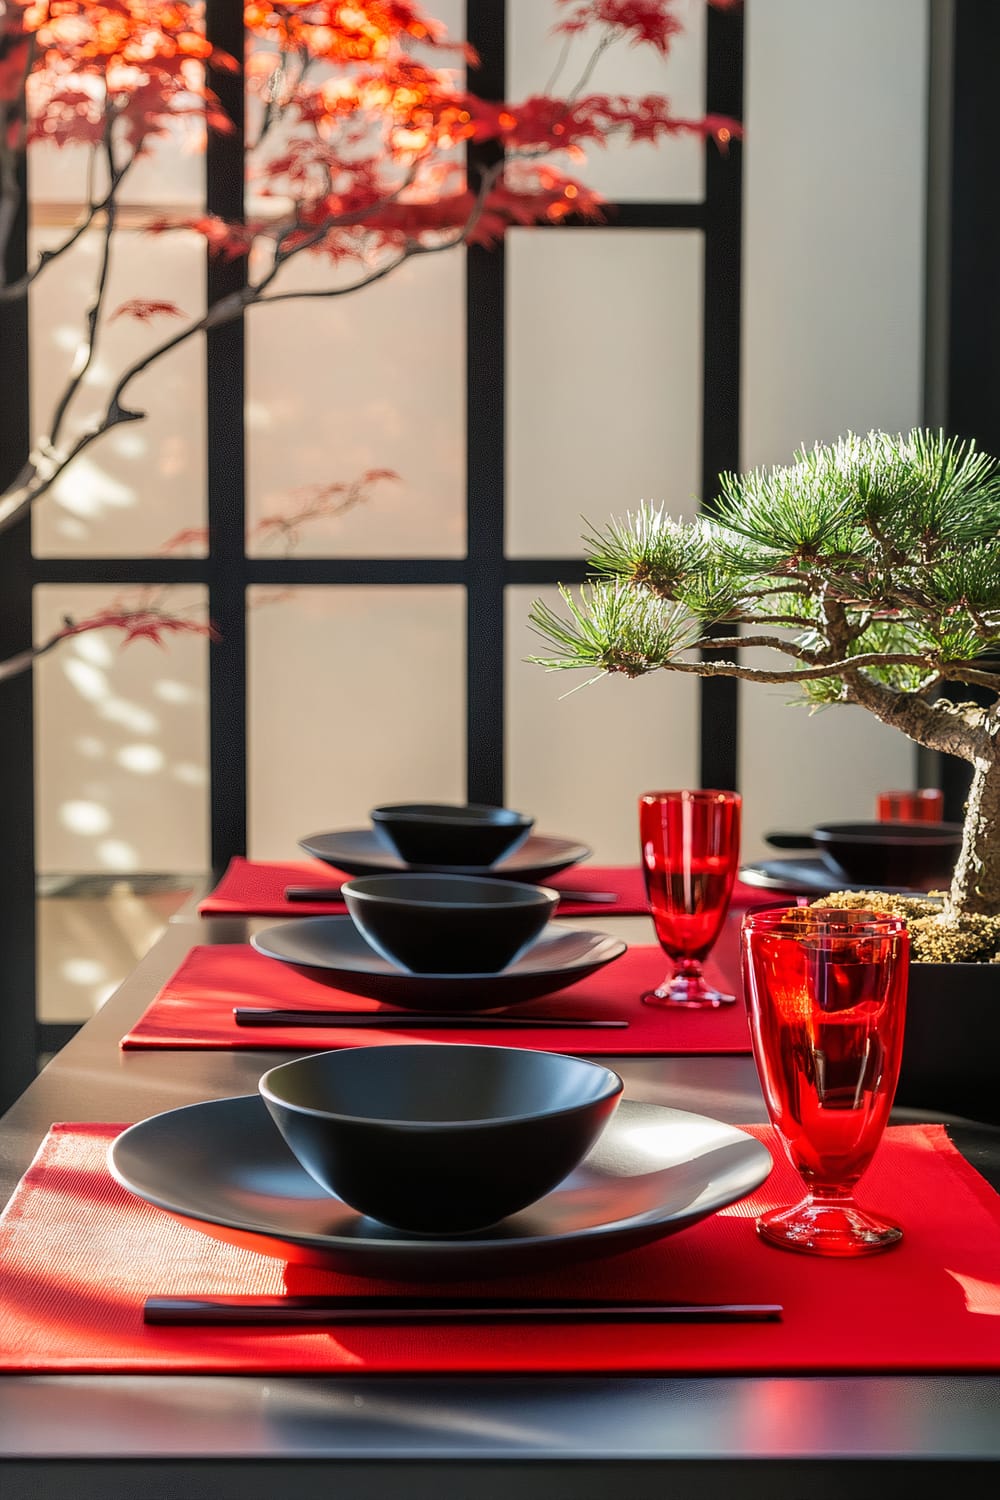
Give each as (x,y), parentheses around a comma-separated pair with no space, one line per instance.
(975,886)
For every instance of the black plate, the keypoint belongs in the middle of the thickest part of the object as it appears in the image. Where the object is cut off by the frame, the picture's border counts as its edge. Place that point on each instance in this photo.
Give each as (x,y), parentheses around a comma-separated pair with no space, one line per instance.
(360,851)
(808,877)
(222,1167)
(333,951)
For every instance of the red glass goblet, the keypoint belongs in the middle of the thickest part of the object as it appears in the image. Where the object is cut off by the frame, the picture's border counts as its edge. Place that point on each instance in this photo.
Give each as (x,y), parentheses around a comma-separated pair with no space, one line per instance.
(826,996)
(690,855)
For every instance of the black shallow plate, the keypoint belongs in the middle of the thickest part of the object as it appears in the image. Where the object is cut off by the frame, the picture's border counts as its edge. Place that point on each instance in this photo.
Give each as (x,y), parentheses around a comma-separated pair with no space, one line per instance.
(222,1167)
(333,951)
(809,877)
(360,851)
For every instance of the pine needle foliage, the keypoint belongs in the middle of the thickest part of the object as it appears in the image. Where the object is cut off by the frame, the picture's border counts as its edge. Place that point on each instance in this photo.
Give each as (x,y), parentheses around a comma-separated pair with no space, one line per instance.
(881,546)
(648,549)
(614,628)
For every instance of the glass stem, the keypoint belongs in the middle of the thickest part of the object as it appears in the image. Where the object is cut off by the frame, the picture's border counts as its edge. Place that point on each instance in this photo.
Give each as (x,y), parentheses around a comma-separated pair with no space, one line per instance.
(687,968)
(831,1197)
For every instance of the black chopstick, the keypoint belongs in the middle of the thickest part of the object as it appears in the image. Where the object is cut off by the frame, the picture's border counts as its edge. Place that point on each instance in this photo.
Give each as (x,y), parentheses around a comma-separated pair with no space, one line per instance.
(240,1309)
(333,893)
(248,1015)
(313,893)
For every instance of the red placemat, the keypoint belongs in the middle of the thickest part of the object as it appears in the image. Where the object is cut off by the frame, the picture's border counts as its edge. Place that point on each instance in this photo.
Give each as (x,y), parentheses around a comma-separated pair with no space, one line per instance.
(78,1254)
(195,1009)
(256,888)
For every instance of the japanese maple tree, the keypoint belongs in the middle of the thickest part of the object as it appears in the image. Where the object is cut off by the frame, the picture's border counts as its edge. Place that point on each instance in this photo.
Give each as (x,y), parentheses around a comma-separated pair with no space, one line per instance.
(359,117)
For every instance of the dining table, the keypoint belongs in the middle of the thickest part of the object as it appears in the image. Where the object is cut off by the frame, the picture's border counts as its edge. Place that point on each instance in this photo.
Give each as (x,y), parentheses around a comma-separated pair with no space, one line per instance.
(634,1434)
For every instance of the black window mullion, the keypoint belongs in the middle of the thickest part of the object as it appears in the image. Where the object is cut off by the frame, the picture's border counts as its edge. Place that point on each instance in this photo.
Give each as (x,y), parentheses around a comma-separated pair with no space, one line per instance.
(225,351)
(638,215)
(719,700)
(486,24)
(973,364)
(121,570)
(17,750)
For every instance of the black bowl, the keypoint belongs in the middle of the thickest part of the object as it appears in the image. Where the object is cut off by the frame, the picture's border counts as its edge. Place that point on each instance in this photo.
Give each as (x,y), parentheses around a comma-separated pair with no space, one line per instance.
(448,924)
(913,856)
(440,1138)
(437,833)
(919,855)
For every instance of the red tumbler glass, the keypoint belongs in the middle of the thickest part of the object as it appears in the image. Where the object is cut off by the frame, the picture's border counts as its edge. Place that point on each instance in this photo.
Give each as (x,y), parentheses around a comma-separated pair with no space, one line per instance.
(690,856)
(923,806)
(826,996)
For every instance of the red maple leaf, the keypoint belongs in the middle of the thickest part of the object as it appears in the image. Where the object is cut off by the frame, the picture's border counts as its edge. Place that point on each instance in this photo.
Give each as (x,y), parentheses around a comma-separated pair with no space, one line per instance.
(191,536)
(646,21)
(144,309)
(140,624)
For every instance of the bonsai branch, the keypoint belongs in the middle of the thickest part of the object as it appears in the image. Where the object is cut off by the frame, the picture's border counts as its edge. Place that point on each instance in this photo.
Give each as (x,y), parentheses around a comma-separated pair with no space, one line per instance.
(954,729)
(770,642)
(791,675)
(956,671)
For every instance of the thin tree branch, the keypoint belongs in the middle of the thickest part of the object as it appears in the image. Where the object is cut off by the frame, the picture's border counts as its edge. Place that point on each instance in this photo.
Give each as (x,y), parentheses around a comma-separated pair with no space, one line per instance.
(771,642)
(409,251)
(11,290)
(320,231)
(15,665)
(87,350)
(47,463)
(792,622)
(595,57)
(46,466)
(274,109)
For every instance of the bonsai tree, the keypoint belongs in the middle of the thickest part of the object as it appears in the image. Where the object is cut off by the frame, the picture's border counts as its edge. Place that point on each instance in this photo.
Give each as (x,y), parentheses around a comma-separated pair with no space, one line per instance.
(870,567)
(357,124)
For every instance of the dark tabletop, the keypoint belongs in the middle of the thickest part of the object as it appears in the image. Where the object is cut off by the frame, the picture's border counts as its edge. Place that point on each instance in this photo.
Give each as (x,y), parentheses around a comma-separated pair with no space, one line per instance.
(349,1438)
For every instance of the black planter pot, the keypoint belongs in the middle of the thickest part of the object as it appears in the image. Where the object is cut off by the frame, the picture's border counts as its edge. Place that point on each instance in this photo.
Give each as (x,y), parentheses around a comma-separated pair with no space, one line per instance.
(951,1049)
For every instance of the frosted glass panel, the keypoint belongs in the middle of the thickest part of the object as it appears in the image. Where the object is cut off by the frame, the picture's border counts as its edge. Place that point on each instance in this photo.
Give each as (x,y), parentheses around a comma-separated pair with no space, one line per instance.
(603,379)
(374,380)
(672,170)
(833,317)
(356,697)
(171,171)
(143,482)
(832,328)
(265,192)
(122,780)
(579,762)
